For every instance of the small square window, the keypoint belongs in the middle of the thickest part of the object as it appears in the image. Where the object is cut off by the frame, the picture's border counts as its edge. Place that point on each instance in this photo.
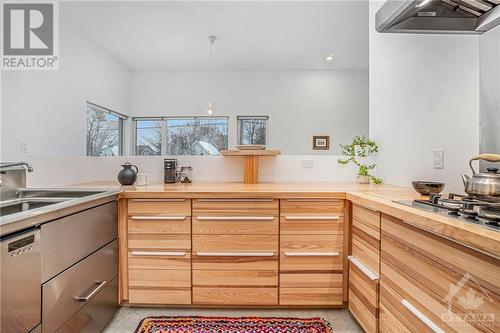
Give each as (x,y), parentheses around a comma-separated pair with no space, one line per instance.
(252,130)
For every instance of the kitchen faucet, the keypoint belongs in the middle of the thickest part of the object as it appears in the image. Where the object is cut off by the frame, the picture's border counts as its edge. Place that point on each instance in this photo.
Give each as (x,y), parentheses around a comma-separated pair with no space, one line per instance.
(27,165)
(6,165)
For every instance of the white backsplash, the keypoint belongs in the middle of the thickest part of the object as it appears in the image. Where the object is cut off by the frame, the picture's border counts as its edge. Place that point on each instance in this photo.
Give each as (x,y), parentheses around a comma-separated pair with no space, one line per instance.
(63,170)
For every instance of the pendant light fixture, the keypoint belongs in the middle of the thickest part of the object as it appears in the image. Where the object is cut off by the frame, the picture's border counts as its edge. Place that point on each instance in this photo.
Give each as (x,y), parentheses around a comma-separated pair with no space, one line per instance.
(211,109)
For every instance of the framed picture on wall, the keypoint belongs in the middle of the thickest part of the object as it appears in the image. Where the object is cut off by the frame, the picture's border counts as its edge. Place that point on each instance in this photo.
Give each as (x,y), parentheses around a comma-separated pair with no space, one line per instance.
(321,142)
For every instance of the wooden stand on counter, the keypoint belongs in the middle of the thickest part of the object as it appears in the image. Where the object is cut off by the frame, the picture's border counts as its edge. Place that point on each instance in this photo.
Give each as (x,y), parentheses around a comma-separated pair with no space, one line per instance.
(251,162)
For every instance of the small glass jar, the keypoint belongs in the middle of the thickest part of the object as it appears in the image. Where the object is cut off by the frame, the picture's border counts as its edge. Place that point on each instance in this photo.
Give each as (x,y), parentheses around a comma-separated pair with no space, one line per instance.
(186,174)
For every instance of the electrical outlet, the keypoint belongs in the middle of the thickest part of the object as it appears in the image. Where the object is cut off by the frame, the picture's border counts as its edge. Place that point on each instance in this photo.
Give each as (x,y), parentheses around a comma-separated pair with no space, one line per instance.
(24,147)
(307,164)
(438,158)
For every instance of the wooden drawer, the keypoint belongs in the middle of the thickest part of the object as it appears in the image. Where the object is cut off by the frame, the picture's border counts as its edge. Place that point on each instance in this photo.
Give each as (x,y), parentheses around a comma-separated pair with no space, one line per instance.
(175,207)
(436,279)
(247,244)
(366,249)
(456,258)
(311,296)
(234,225)
(420,310)
(160,296)
(313,224)
(363,297)
(235,296)
(366,237)
(389,323)
(311,206)
(367,220)
(312,243)
(159,278)
(226,262)
(392,302)
(330,262)
(311,280)
(159,260)
(235,207)
(142,224)
(222,278)
(159,242)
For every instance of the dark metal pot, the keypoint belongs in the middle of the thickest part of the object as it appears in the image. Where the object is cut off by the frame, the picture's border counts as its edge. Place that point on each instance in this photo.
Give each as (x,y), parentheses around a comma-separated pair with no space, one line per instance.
(128,175)
(484,184)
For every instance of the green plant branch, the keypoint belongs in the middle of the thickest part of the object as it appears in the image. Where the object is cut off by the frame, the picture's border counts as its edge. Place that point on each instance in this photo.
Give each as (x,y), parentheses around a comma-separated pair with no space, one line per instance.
(360,147)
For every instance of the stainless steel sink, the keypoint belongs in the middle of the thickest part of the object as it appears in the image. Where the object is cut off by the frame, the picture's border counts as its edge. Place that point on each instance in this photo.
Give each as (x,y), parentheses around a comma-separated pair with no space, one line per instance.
(28,199)
(55,193)
(22,206)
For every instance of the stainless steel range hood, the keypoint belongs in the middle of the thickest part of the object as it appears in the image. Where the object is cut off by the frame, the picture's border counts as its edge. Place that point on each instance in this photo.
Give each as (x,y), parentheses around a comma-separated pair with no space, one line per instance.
(438,16)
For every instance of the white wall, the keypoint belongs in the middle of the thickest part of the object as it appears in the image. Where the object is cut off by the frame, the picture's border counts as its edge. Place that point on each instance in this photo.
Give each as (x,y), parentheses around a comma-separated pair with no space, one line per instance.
(490,92)
(424,95)
(300,103)
(46,109)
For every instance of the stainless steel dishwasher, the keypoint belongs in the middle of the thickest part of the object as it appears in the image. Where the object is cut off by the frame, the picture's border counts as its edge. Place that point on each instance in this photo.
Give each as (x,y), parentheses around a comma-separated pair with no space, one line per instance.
(20,276)
(79,271)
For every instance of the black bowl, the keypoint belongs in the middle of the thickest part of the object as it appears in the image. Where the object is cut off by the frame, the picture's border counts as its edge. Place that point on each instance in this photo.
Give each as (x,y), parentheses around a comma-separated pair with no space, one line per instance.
(426,188)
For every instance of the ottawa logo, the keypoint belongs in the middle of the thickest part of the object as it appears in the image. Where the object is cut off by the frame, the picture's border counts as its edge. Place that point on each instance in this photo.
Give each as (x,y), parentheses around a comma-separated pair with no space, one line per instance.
(474,301)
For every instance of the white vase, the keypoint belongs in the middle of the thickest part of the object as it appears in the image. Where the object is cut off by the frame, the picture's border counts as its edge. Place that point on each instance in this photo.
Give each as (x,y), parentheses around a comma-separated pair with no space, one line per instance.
(363,179)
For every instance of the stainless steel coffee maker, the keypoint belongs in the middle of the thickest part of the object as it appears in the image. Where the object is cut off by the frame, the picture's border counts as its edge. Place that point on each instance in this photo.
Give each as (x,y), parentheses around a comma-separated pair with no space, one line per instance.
(170,167)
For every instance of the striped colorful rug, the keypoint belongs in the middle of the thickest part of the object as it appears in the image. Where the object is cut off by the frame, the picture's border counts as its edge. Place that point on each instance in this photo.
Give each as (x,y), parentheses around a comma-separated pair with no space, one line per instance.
(232,325)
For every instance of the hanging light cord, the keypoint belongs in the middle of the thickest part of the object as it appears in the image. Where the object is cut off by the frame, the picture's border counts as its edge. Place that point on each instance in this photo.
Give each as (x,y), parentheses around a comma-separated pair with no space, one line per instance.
(212,39)
(212,42)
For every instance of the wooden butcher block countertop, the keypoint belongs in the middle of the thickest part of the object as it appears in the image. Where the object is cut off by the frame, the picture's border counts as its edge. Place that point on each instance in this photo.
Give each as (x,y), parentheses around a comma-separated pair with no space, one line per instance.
(378,197)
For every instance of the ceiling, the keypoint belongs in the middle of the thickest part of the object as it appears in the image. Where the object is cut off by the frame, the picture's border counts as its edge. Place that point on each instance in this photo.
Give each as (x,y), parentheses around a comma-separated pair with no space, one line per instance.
(163,35)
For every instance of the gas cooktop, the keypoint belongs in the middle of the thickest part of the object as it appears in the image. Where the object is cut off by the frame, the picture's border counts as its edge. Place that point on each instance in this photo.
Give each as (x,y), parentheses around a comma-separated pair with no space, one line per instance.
(479,211)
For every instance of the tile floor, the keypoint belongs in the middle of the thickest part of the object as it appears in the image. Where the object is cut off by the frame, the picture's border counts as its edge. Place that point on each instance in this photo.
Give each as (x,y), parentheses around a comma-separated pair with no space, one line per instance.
(127,318)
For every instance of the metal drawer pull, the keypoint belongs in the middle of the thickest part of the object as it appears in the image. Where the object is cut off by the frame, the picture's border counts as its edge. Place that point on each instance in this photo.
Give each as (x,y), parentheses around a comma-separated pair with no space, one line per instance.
(171,218)
(100,285)
(429,323)
(312,254)
(235,254)
(362,267)
(158,200)
(235,218)
(234,200)
(313,200)
(158,254)
(336,217)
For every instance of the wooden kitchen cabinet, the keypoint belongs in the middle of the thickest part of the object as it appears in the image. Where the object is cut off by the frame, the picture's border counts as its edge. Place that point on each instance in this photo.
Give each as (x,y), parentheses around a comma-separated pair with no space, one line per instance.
(159,251)
(311,252)
(432,284)
(235,251)
(364,297)
(366,237)
(364,267)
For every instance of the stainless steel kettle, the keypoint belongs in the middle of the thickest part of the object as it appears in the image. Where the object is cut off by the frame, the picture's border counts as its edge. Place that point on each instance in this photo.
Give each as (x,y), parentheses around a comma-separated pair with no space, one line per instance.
(483,183)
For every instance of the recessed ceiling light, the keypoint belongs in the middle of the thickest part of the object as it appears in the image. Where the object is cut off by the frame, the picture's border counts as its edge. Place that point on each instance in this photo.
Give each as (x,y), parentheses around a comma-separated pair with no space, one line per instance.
(329,57)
